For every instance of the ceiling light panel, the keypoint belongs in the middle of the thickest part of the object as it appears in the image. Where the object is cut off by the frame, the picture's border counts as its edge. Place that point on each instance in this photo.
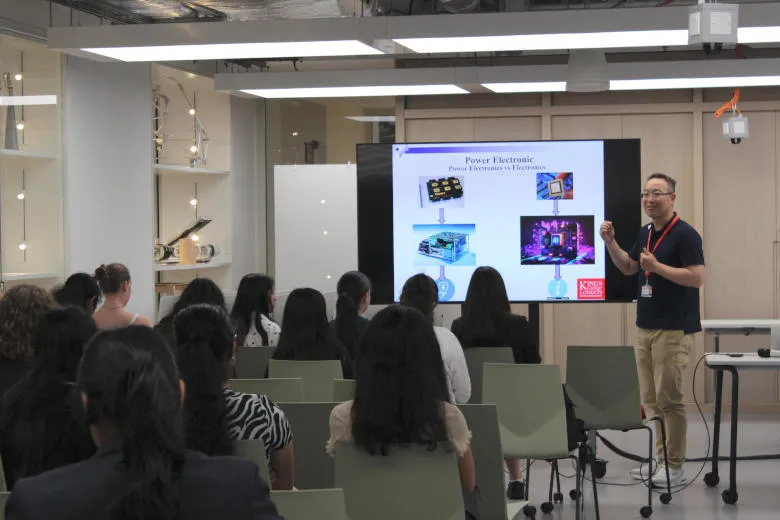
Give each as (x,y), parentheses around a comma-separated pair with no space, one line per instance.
(27,100)
(532,86)
(355,91)
(684,83)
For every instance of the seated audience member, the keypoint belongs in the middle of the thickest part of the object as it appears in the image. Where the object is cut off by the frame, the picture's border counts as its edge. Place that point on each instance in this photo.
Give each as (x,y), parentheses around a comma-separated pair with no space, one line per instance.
(132,395)
(43,425)
(487,321)
(79,290)
(401,394)
(251,313)
(114,281)
(21,310)
(214,414)
(199,290)
(421,292)
(305,333)
(354,297)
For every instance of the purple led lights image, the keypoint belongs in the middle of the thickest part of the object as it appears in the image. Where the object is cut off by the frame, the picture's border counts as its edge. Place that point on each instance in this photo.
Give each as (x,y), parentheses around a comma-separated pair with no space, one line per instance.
(546,240)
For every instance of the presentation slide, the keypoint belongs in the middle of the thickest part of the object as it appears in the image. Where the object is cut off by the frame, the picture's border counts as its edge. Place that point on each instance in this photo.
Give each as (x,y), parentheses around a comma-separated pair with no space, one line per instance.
(531,210)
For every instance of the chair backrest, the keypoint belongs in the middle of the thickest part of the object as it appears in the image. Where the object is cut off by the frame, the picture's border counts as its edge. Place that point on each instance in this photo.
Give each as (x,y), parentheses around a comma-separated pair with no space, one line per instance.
(254,450)
(317,376)
(305,504)
(488,459)
(277,390)
(343,390)
(531,410)
(252,362)
(476,357)
(411,482)
(310,423)
(4,496)
(603,384)
(3,483)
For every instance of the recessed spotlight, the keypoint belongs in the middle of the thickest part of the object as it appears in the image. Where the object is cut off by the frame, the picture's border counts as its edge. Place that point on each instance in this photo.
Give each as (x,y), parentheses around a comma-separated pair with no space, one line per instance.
(22,247)
(20,126)
(18,77)
(328,277)
(195,238)
(322,201)
(295,134)
(20,195)
(193,149)
(192,111)
(324,232)
(194,202)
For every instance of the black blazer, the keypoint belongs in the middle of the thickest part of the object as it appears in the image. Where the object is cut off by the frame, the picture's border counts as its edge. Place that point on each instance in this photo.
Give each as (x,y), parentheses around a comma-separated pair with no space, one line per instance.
(211,489)
(512,330)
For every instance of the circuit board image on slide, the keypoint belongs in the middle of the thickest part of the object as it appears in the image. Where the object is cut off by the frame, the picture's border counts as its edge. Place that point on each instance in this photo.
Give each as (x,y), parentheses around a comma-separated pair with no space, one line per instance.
(449,244)
(441,192)
(563,240)
(554,186)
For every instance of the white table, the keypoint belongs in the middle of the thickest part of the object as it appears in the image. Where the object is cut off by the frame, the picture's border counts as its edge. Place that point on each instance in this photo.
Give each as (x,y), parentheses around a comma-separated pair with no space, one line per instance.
(744,327)
(732,364)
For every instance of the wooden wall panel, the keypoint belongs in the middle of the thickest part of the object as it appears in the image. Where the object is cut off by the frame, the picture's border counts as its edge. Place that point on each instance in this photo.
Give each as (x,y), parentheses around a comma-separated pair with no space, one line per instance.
(507,128)
(439,130)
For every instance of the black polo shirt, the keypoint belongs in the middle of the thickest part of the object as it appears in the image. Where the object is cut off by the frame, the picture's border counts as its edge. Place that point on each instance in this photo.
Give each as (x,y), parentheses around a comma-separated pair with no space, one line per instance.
(672,307)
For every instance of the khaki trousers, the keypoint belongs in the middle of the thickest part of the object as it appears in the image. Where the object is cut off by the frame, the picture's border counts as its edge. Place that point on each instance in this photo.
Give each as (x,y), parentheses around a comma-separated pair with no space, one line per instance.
(662,359)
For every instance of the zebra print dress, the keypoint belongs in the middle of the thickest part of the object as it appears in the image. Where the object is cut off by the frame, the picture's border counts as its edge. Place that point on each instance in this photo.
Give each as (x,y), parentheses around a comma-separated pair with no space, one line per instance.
(254,417)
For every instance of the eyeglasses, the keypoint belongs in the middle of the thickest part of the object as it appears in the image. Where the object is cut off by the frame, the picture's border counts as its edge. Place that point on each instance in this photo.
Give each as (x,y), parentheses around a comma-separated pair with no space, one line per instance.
(653,194)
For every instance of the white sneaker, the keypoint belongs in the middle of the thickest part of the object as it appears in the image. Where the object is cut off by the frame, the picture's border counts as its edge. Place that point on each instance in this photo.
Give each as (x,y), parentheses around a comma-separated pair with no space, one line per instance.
(676,477)
(645,471)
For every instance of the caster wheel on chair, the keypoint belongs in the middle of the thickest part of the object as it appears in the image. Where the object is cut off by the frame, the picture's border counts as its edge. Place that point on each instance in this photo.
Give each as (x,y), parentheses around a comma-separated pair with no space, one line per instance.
(529,512)
(599,468)
(574,494)
(646,511)
(729,497)
(711,479)
(666,498)
(558,498)
(547,508)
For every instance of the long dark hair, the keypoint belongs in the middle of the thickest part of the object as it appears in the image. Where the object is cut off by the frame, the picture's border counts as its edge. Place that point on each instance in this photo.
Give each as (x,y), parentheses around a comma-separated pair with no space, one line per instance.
(204,346)
(79,290)
(421,292)
(304,325)
(401,383)
(130,379)
(253,297)
(46,389)
(111,277)
(21,309)
(352,288)
(199,290)
(486,301)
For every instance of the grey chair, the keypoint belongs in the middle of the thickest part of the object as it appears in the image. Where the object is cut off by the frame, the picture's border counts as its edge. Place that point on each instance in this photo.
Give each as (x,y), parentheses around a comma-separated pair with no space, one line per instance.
(343,390)
(311,504)
(252,362)
(603,384)
(4,496)
(317,376)
(532,417)
(476,357)
(254,450)
(277,390)
(489,462)
(411,482)
(3,483)
(310,423)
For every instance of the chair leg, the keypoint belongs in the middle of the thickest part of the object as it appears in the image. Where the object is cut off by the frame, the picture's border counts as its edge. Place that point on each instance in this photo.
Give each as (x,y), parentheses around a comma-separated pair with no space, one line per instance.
(558,496)
(528,510)
(647,510)
(578,501)
(665,497)
(595,488)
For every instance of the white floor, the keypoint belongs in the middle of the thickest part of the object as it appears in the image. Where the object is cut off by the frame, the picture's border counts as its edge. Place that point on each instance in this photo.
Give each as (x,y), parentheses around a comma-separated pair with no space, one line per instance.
(758,481)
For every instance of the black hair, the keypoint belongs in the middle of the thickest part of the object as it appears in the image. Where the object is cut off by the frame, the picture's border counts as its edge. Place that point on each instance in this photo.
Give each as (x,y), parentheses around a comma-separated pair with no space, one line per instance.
(486,301)
(421,292)
(401,383)
(131,383)
(199,290)
(79,290)
(252,298)
(204,346)
(304,324)
(111,277)
(45,391)
(669,180)
(351,288)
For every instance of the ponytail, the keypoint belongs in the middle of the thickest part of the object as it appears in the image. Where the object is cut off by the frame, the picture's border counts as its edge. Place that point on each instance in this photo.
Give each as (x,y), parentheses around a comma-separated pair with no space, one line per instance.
(346,323)
(131,383)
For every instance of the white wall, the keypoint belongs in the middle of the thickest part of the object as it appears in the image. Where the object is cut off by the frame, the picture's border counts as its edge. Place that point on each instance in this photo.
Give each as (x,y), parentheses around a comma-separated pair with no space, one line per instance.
(107,171)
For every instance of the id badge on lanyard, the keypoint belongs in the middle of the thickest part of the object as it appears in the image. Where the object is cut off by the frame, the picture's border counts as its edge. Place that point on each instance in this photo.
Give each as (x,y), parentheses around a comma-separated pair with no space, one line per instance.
(647,290)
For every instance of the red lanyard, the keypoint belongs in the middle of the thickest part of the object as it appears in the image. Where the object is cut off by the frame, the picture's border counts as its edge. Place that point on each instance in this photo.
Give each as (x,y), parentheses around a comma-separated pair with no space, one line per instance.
(650,236)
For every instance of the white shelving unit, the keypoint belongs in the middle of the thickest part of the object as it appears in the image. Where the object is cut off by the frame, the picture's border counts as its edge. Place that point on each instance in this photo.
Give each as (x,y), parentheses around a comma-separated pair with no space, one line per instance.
(216,263)
(23,154)
(26,277)
(176,169)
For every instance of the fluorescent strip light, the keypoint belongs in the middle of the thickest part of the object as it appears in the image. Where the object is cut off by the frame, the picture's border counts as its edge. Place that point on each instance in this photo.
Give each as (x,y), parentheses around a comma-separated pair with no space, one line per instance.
(539,42)
(356,91)
(684,83)
(534,86)
(758,34)
(372,119)
(6,101)
(222,51)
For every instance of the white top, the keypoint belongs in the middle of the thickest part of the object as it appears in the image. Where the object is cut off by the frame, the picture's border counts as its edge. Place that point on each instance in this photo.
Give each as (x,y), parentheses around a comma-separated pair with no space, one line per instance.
(272,330)
(454,365)
(747,361)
